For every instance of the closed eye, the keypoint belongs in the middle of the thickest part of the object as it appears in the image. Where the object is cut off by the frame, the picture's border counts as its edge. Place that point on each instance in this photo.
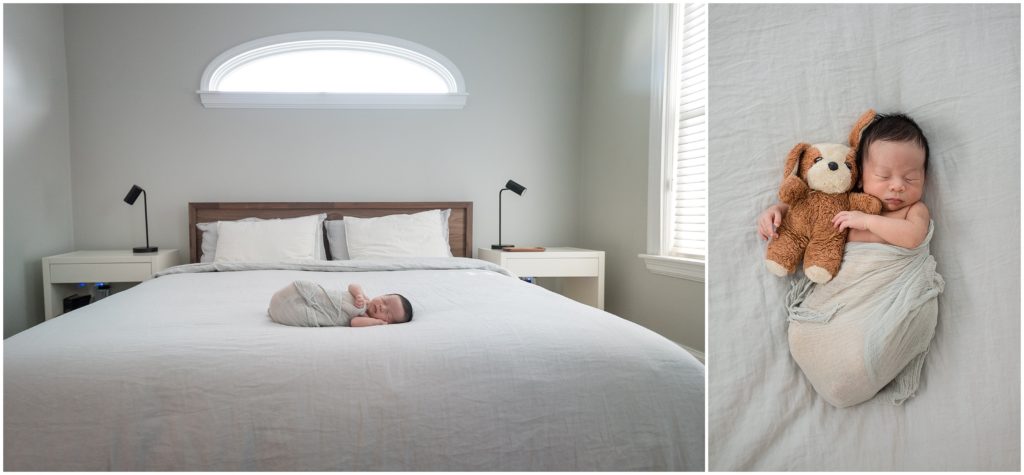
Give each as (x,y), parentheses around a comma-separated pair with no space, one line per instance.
(816,160)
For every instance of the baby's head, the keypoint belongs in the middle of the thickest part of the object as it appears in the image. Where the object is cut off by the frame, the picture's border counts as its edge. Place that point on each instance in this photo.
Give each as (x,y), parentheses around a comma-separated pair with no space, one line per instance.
(391,308)
(893,157)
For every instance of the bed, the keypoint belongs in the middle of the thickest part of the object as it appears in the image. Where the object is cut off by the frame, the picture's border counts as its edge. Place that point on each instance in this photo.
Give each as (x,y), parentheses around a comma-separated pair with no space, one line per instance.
(186,372)
(781,74)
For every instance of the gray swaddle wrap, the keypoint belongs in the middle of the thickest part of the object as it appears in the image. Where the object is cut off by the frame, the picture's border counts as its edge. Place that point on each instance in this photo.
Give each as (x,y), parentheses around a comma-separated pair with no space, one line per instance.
(308,304)
(869,328)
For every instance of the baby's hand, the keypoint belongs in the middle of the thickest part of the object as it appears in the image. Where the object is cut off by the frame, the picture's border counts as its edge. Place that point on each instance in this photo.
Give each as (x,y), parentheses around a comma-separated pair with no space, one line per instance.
(358,297)
(768,222)
(851,220)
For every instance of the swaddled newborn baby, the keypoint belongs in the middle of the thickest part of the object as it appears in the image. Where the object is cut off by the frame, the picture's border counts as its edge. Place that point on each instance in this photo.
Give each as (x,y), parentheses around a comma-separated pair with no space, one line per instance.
(867,331)
(307,304)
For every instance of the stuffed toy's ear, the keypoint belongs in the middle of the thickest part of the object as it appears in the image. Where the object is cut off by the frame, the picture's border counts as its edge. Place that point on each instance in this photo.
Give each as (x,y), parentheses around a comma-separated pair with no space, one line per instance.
(859,127)
(793,159)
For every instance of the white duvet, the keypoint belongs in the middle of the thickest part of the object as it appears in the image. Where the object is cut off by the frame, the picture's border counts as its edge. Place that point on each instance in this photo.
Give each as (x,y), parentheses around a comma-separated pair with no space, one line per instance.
(187,372)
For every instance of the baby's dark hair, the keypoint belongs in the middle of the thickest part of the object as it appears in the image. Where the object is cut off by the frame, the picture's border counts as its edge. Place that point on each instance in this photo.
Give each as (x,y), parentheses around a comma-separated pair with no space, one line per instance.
(406,307)
(893,128)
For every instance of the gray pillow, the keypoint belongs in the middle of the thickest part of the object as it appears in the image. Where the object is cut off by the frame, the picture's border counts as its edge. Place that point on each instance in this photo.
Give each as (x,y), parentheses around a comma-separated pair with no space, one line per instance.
(336,239)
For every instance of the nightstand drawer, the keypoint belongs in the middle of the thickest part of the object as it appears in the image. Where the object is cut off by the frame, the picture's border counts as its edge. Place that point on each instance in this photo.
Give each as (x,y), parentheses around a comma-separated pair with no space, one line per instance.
(108,272)
(563,267)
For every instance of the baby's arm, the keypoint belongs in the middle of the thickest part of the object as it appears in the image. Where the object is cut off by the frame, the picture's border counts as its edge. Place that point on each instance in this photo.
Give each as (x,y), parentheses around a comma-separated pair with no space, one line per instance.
(357,295)
(770,219)
(365,322)
(907,233)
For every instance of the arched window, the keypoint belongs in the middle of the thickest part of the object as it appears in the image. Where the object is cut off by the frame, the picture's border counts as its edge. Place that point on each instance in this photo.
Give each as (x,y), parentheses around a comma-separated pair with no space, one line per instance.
(332,70)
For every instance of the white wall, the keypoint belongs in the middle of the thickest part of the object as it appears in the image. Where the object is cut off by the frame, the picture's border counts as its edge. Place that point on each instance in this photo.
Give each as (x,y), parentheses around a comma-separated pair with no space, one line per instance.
(37,183)
(613,185)
(134,70)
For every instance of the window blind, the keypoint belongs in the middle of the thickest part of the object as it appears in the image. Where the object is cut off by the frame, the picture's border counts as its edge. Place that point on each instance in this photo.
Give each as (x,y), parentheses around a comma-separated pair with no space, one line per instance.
(689,220)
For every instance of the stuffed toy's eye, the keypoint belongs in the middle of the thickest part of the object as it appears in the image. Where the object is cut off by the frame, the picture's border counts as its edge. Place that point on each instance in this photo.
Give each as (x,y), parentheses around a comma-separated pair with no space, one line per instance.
(848,167)
(816,160)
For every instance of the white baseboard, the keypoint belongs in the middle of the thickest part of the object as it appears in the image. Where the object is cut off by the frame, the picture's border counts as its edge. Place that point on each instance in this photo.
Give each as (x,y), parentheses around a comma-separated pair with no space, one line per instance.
(698,354)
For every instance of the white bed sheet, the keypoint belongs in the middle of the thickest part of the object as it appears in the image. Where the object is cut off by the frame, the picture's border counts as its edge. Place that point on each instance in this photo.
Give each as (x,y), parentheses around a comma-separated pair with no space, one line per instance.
(187,372)
(782,74)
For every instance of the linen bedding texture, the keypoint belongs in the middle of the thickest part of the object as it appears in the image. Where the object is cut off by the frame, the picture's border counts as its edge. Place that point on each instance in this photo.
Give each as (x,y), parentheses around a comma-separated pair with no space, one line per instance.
(184,372)
(868,329)
(307,304)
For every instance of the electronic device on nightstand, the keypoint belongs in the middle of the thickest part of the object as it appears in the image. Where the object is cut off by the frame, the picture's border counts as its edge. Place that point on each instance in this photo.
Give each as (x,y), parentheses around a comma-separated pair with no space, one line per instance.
(71,273)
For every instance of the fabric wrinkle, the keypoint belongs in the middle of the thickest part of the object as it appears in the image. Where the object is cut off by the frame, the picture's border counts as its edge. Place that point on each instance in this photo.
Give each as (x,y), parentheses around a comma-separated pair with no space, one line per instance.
(868,330)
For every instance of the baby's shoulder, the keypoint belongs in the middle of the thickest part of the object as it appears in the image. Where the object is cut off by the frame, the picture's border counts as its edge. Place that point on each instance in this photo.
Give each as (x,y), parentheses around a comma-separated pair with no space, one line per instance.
(919,210)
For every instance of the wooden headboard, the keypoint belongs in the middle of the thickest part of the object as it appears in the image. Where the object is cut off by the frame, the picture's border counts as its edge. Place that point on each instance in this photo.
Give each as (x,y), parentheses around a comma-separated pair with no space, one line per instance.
(460,223)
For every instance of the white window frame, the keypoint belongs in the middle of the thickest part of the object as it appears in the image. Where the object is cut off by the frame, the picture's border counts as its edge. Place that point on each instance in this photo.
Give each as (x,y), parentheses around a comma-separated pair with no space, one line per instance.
(348,40)
(661,158)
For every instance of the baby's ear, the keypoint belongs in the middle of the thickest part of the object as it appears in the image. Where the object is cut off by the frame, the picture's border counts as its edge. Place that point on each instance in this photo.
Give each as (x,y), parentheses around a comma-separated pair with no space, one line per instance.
(858,128)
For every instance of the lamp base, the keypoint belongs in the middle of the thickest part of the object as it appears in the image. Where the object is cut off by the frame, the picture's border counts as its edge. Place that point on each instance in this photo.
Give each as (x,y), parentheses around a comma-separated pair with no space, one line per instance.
(501,246)
(143,250)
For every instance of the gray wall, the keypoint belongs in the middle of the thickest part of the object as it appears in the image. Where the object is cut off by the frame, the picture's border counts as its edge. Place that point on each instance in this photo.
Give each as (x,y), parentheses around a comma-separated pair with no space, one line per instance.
(134,70)
(613,184)
(37,181)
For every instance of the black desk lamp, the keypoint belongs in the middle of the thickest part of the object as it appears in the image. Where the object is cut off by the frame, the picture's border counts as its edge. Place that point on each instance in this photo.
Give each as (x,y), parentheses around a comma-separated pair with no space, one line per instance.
(517,189)
(133,194)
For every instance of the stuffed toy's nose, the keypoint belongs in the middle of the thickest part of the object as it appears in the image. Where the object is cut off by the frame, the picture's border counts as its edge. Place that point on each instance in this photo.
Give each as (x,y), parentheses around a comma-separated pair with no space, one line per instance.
(833,166)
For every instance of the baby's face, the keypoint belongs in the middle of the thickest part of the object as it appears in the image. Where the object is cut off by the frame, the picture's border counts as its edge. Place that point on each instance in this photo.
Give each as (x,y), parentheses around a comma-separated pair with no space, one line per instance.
(894,173)
(387,308)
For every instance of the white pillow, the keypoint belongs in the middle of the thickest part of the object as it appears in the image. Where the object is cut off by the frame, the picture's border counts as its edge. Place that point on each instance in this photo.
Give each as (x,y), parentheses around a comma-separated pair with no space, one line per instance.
(271,240)
(397,235)
(339,245)
(208,249)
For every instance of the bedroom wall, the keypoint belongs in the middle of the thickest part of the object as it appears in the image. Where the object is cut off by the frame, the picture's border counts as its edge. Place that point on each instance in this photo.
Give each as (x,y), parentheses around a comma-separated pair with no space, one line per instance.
(37,171)
(134,70)
(613,177)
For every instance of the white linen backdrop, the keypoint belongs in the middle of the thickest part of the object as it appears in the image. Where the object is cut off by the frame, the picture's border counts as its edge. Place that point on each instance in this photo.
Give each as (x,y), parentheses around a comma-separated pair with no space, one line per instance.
(782,74)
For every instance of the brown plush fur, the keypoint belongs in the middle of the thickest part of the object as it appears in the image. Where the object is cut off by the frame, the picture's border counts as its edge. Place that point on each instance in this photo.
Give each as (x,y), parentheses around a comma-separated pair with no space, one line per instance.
(806,231)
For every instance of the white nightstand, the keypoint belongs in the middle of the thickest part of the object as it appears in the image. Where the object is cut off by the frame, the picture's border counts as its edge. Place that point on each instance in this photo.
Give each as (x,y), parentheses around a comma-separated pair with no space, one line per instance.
(582,269)
(62,273)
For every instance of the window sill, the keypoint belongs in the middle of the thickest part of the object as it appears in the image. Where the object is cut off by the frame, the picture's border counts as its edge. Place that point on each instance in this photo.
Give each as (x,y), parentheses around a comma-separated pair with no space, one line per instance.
(679,267)
(302,100)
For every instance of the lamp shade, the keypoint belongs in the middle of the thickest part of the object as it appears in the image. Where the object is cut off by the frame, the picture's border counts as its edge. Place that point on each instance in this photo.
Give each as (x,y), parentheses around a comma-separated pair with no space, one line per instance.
(133,194)
(515,187)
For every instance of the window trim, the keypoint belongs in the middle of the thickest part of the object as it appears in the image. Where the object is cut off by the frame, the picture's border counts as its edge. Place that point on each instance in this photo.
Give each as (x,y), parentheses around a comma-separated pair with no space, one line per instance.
(397,47)
(659,170)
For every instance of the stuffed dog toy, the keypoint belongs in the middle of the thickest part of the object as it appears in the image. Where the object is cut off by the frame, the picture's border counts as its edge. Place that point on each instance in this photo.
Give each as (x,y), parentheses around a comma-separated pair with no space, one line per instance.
(816,186)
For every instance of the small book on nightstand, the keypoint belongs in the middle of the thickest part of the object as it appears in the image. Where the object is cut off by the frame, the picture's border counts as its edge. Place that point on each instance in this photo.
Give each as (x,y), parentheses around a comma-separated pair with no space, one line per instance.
(523,249)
